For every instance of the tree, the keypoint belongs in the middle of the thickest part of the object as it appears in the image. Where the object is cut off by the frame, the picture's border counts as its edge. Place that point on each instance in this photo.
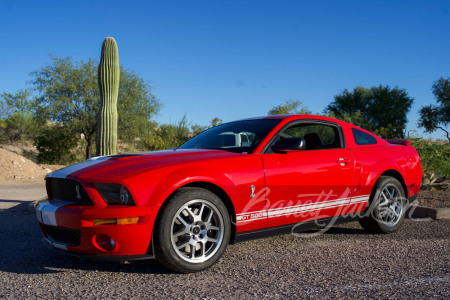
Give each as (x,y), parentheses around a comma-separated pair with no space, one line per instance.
(15,103)
(68,94)
(433,117)
(291,107)
(167,136)
(54,145)
(353,118)
(380,108)
(197,129)
(16,110)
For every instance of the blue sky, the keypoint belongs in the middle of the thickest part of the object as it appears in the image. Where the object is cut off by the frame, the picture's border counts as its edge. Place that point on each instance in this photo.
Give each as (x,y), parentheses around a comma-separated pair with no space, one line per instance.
(237,59)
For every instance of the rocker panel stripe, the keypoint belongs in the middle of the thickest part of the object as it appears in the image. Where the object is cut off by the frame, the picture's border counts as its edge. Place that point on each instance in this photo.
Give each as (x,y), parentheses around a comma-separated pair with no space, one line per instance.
(284,211)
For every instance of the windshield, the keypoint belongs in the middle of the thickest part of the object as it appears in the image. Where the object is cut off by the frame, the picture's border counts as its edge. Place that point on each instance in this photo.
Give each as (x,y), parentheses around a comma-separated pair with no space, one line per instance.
(239,137)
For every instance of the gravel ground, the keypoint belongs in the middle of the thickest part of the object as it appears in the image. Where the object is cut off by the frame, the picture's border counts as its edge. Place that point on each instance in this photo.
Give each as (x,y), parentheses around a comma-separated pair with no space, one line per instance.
(434,197)
(345,262)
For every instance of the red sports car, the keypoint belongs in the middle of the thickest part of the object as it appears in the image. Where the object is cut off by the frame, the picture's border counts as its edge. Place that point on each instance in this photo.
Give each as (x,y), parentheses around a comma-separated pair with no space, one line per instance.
(237,181)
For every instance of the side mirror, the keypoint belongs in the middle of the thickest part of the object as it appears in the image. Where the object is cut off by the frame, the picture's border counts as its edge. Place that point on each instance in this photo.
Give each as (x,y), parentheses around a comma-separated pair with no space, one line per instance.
(289,145)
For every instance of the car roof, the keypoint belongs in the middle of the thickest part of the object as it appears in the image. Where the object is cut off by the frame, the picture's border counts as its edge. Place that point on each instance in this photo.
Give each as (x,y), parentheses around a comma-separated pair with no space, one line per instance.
(292,117)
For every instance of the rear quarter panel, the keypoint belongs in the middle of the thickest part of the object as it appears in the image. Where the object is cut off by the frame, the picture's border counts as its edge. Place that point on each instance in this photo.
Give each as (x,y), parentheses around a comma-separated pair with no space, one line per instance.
(373,160)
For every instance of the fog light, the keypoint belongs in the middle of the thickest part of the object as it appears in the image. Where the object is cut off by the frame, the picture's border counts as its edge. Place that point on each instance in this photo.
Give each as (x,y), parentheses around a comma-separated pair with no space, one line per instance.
(104,242)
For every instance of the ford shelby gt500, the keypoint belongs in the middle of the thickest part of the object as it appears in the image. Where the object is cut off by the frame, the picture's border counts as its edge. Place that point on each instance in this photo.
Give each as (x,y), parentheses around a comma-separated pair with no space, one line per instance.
(237,181)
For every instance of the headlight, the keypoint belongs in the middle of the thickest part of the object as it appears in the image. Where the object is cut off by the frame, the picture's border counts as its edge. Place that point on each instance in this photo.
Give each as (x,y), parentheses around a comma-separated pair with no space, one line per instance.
(114,194)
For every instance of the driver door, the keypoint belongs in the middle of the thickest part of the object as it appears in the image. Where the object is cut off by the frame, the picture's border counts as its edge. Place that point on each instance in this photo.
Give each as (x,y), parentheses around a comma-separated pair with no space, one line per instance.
(309,184)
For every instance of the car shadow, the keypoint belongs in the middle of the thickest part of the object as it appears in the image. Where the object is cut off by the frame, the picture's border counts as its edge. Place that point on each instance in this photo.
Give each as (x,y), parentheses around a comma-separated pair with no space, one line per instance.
(342,230)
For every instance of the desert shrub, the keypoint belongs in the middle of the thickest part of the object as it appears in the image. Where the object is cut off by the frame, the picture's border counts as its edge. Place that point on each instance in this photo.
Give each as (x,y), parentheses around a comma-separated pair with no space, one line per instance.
(20,126)
(55,146)
(435,156)
(167,136)
(153,142)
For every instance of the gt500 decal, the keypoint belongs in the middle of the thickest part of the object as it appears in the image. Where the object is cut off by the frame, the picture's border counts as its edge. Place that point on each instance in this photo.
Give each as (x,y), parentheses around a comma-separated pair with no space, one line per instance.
(251,216)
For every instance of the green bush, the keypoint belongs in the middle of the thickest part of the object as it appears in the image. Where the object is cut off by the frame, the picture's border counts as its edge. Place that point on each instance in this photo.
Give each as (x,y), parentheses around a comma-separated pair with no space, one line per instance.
(55,146)
(3,136)
(20,126)
(435,156)
(167,136)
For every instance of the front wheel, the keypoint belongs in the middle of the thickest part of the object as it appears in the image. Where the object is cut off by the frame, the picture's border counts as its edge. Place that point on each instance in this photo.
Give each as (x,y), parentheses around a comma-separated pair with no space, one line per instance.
(387,207)
(193,231)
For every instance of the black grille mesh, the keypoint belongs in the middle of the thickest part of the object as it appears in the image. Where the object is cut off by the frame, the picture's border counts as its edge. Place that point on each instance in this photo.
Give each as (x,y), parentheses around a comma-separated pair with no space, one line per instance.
(65,236)
(68,190)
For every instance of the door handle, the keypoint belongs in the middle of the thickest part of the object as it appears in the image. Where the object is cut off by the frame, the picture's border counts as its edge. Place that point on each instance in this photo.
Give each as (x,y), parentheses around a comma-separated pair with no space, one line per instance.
(343,161)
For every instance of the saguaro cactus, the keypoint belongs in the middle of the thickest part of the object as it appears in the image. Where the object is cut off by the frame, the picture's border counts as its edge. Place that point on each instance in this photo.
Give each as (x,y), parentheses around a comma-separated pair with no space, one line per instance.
(108,82)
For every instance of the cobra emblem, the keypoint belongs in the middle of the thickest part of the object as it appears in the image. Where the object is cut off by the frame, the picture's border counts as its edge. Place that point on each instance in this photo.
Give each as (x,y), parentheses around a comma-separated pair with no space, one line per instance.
(252,195)
(78,192)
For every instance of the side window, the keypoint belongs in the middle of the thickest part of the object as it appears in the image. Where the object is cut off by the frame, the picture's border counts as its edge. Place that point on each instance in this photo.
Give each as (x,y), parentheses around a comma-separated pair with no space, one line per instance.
(317,136)
(362,138)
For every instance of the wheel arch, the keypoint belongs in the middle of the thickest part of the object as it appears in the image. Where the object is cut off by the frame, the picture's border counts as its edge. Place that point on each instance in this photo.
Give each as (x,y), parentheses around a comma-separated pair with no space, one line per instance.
(395,174)
(214,189)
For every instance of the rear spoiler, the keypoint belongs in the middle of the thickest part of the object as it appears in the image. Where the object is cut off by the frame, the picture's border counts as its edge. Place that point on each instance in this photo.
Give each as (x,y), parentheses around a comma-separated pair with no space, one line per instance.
(399,142)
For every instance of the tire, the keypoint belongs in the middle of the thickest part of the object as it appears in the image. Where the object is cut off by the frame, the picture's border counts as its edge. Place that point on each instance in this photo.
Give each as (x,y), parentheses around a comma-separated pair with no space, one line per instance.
(387,207)
(193,231)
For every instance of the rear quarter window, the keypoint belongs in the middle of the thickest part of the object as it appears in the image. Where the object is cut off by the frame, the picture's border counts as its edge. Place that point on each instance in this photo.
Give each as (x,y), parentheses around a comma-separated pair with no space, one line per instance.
(362,138)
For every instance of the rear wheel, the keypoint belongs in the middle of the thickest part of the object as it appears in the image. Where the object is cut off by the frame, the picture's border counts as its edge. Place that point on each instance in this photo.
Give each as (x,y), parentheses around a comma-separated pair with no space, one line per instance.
(193,231)
(387,207)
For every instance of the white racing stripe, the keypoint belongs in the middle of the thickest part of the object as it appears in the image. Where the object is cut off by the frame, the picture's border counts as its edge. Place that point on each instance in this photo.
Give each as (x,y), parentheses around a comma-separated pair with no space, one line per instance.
(308,207)
(343,200)
(38,212)
(62,173)
(46,212)
(353,199)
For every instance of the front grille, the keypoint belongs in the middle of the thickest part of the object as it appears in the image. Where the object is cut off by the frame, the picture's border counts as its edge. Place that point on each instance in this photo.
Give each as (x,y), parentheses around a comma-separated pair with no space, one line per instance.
(71,237)
(68,190)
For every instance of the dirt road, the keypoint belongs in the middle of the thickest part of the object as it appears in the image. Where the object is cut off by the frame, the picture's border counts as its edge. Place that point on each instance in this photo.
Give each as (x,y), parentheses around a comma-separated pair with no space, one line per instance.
(12,195)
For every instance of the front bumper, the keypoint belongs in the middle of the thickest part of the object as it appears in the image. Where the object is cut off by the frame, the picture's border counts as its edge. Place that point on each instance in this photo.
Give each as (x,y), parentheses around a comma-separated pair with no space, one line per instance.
(70,228)
(97,257)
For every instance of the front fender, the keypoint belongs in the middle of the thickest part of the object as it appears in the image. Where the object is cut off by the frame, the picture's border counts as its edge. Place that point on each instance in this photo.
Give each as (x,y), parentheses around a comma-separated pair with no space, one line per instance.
(181,177)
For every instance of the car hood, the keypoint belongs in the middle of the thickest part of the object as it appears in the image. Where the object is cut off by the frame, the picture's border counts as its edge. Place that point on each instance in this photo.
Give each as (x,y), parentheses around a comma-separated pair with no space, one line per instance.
(103,168)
